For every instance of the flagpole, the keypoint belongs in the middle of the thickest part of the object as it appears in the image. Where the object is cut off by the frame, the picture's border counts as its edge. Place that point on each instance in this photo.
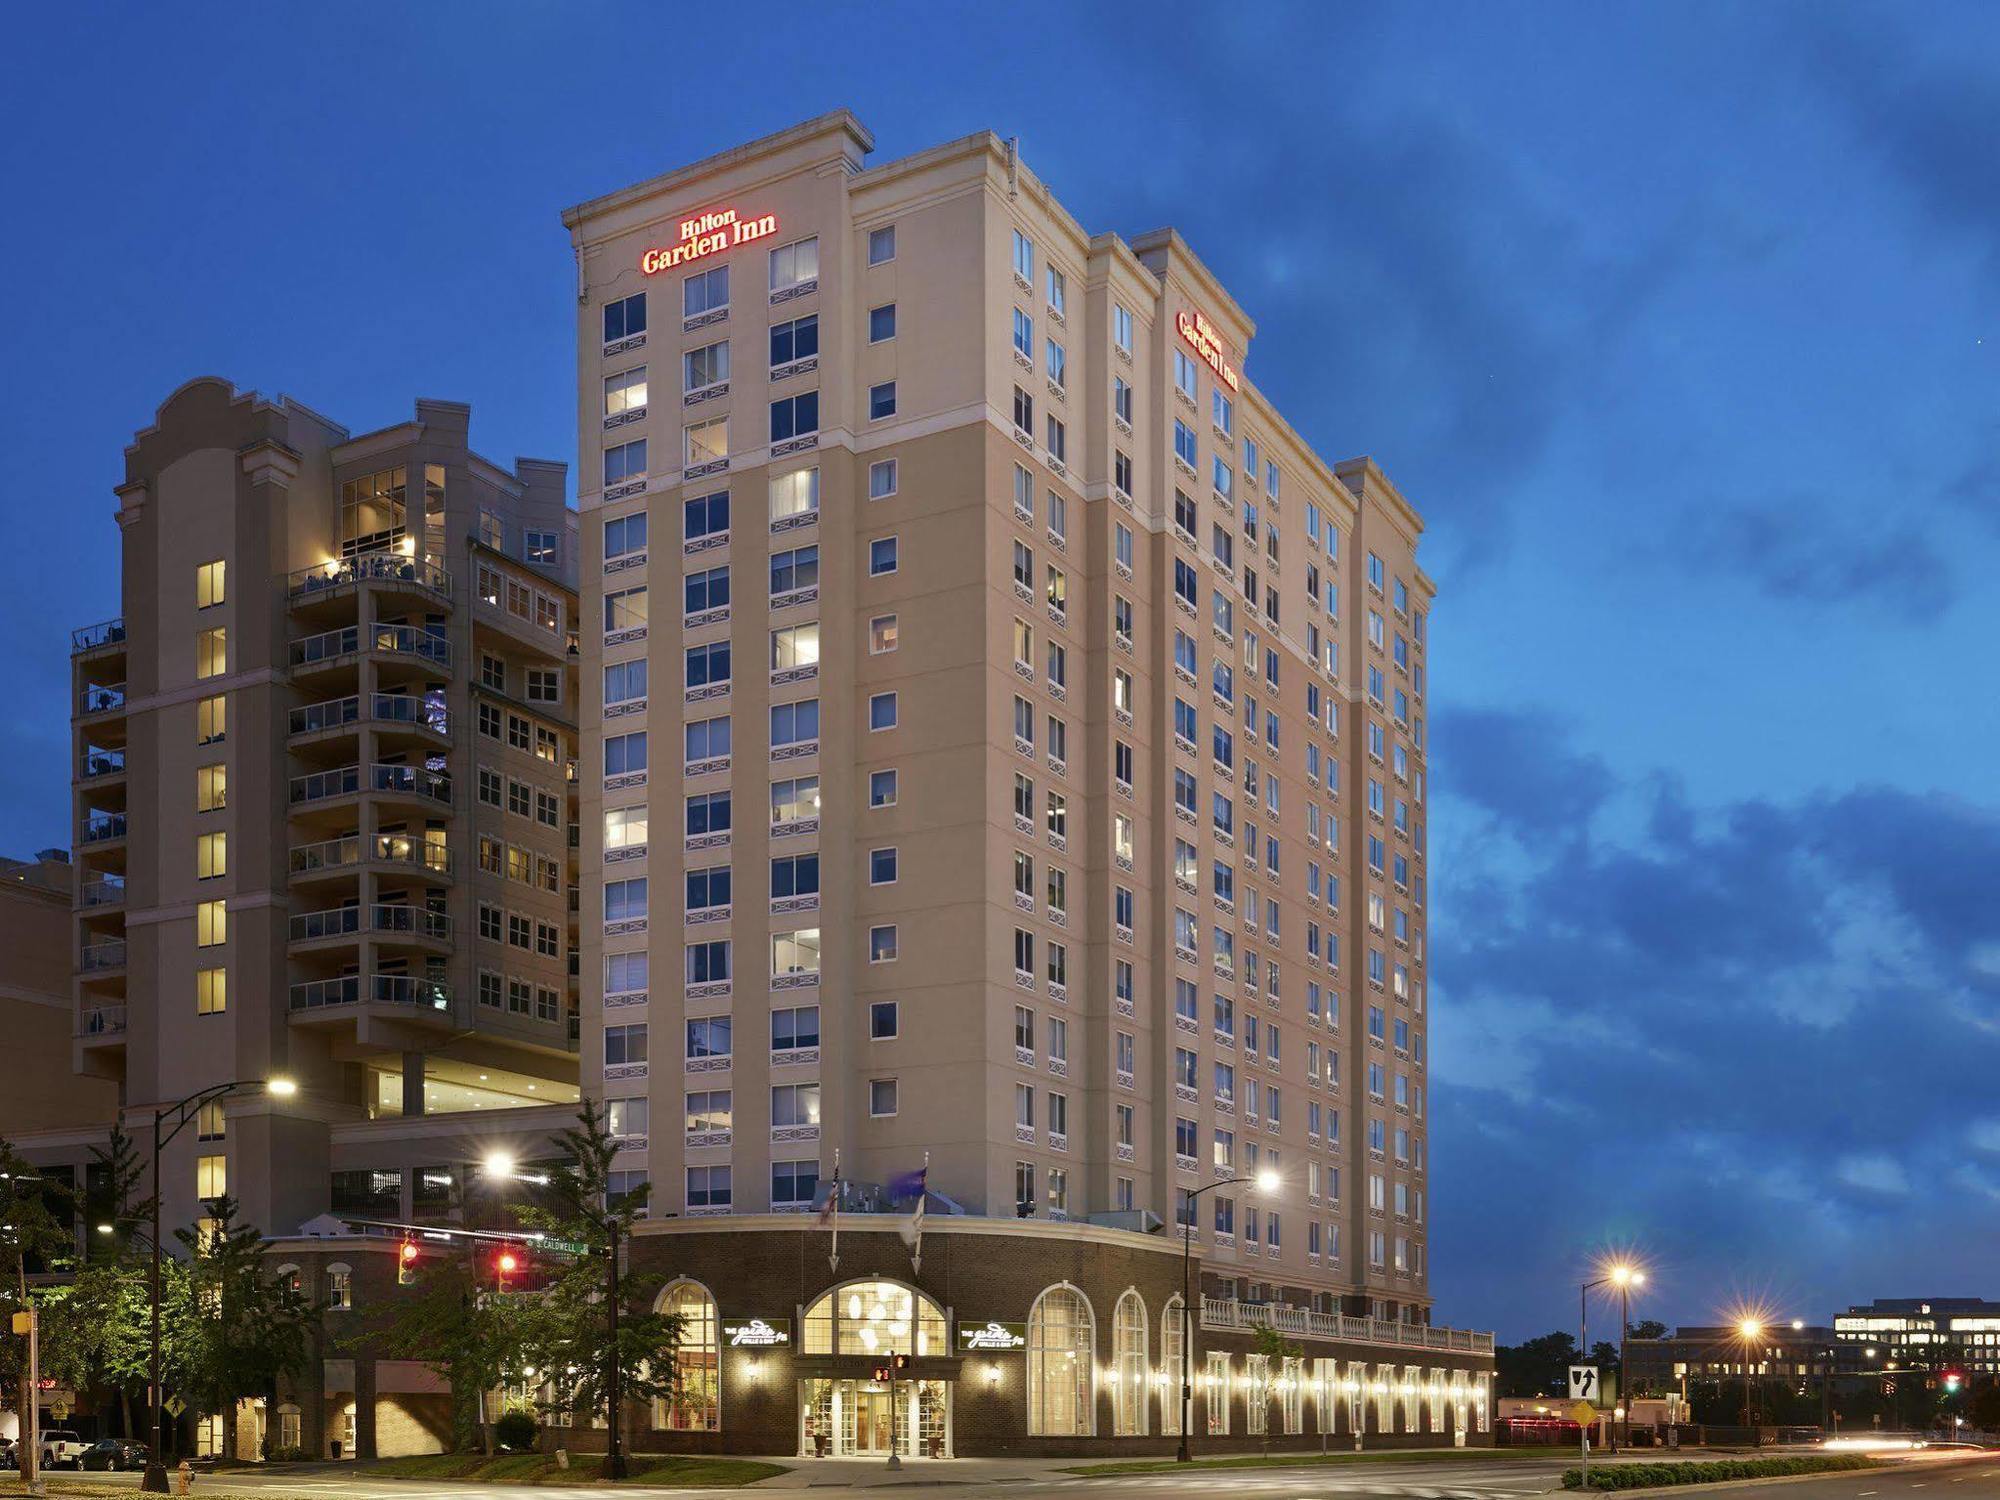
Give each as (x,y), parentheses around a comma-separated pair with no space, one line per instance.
(833,1203)
(923,1190)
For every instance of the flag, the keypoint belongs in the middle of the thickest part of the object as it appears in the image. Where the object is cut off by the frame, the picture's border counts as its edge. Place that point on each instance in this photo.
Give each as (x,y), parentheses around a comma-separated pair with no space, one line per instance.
(831,1213)
(917,1182)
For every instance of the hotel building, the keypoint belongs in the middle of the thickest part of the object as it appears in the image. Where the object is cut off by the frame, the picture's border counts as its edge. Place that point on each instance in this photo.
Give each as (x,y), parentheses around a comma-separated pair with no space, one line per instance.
(1024,775)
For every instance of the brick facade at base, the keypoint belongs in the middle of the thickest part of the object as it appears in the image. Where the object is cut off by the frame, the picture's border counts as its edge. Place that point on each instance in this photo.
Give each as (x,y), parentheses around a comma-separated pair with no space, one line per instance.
(977,1271)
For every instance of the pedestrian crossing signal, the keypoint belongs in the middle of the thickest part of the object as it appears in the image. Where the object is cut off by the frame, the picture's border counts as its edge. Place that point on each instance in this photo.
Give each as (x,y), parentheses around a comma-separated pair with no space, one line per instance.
(903,1364)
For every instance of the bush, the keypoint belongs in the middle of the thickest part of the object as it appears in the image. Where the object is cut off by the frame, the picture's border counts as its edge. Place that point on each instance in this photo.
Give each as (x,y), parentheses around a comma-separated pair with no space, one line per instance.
(287,1455)
(1658,1476)
(516,1429)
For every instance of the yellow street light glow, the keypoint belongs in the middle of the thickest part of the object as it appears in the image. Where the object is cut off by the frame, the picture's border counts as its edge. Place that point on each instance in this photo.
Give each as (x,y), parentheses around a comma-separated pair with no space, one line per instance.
(106,1229)
(1750,1328)
(1267,1181)
(499,1164)
(283,1088)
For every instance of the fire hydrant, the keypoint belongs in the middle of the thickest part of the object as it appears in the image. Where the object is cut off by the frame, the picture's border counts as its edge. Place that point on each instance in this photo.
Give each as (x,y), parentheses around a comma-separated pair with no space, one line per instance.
(184,1478)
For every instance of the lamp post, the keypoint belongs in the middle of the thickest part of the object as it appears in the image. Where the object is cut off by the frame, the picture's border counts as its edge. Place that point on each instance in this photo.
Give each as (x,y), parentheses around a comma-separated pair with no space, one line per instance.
(1623,1275)
(155,1480)
(1749,1329)
(1267,1180)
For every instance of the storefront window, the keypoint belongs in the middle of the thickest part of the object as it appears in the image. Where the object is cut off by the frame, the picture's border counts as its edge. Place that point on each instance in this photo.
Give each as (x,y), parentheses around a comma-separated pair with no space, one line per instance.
(1257,1394)
(1215,1394)
(1292,1394)
(1171,1334)
(694,1406)
(1128,1344)
(875,1317)
(1061,1340)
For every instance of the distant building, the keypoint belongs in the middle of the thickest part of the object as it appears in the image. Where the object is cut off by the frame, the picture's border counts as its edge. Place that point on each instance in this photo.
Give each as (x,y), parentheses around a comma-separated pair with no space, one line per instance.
(1718,1352)
(35,1002)
(1896,1332)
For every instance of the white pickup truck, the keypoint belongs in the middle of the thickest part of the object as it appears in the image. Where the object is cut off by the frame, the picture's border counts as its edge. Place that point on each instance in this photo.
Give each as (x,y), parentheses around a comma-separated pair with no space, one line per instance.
(62,1450)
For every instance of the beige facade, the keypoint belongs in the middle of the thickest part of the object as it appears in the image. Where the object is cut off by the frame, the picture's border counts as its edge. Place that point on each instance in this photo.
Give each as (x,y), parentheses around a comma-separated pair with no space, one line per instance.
(323,794)
(1004,735)
(35,1004)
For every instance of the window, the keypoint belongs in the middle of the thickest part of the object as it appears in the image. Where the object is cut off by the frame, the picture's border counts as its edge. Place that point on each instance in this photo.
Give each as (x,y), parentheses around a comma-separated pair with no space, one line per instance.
(1185,447)
(340,1298)
(882,711)
(1061,1359)
(796,952)
(624,1044)
(709,1036)
(795,646)
(706,666)
(795,264)
(1024,335)
(1131,1396)
(882,1099)
(1024,412)
(625,536)
(1121,328)
(882,946)
(794,1184)
(625,317)
(793,416)
(1058,364)
(881,245)
(626,753)
(705,292)
(793,800)
(882,867)
(882,556)
(1024,257)
(882,788)
(795,494)
(882,479)
(544,685)
(794,569)
(626,391)
(211,652)
(625,461)
(1185,373)
(881,635)
(794,1104)
(881,323)
(211,720)
(210,585)
(794,723)
(211,855)
(625,973)
(882,1021)
(625,900)
(708,1187)
(211,924)
(797,339)
(211,991)
(794,1027)
(882,401)
(211,1177)
(624,609)
(705,442)
(625,681)
(700,368)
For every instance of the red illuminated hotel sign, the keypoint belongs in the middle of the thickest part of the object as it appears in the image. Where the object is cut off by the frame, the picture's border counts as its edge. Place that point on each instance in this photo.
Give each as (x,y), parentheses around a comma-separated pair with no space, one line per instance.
(705,234)
(1206,342)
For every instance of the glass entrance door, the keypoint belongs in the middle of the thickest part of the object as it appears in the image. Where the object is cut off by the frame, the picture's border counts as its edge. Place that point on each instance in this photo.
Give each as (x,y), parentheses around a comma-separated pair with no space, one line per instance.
(873,1419)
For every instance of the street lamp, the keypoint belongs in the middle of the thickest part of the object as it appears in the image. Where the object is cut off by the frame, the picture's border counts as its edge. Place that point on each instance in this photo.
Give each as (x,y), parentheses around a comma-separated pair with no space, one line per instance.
(1266,1181)
(188,1109)
(1623,1275)
(1750,1329)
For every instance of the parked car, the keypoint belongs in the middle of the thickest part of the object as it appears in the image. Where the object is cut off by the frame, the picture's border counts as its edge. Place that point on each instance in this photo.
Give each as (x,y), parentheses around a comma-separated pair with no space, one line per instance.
(60,1449)
(9,1457)
(115,1454)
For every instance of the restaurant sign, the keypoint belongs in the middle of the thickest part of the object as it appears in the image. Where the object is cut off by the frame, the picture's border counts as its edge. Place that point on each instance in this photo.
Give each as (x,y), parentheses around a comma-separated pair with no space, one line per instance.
(992,1338)
(1202,337)
(757,1333)
(704,235)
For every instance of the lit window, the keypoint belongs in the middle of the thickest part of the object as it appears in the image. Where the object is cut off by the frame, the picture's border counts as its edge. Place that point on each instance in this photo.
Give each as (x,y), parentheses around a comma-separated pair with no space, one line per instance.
(881,634)
(211,924)
(211,652)
(211,855)
(211,1177)
(211,991)
(209,584)
(211,720)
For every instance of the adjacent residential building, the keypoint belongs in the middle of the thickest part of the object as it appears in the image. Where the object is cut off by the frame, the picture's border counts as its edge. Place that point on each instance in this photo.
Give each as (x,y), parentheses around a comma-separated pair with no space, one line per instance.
(1005,754)
(35,1007)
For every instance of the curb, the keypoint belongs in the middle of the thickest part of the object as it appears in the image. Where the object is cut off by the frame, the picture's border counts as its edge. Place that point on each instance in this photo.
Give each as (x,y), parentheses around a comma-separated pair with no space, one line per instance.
(1727,1484)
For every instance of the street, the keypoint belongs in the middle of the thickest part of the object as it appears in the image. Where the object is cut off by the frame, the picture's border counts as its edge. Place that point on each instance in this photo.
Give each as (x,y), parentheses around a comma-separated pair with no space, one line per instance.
(1418,1478)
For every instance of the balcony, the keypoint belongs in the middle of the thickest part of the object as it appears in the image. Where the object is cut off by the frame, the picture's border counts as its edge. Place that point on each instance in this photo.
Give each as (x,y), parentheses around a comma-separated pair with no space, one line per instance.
(101,827)
(101,698)
(324,786)
(391,710)
(1223,1315)
(389,570)
(309,654)
(411,781)
(373,989)
(391,918)
(101,1023)
(345,855)
(102,890)
(102,957)
(100,763)
(96,637)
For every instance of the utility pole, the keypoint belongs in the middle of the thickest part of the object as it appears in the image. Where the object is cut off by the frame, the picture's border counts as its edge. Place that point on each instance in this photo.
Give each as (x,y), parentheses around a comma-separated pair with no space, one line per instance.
(614,1459)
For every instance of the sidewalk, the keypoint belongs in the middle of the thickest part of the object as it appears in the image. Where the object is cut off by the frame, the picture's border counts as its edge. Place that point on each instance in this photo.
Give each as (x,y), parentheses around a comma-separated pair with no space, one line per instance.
(875,1473)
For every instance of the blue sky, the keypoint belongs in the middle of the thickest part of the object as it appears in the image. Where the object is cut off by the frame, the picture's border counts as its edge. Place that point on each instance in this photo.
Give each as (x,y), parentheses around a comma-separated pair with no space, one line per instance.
(1677,322)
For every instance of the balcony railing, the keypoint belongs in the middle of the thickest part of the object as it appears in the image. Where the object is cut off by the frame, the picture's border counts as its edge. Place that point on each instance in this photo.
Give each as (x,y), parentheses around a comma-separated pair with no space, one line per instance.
(100,698)
(100,1020)
(1224,1315)
(338,854)
(412,781)
(390,917)
(103,633)
(319,786)
(377,989)
(382,708)
(101,826)
(378,567)
(402,640)
(105,890)
(108,954)
(98,762)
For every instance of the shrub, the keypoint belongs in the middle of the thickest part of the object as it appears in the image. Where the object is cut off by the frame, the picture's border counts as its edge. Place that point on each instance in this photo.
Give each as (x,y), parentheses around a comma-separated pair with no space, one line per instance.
(1648,1476)
(516,1429)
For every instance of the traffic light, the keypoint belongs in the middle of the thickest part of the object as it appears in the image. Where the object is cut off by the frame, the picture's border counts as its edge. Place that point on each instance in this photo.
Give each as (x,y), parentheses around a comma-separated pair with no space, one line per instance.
(505,1264)
(1953,1379)
(406,1263)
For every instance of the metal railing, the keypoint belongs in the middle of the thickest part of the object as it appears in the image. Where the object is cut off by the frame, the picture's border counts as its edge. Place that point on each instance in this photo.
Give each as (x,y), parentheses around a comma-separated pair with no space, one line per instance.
(100,697)
(401,640)
(105,890)
(395,848)
(1223,1314)
(374,567)
(318,786)
(414,781)
(377,989)
(100,826)
(100,1020)
(107,954)
(407,640)
(98,762)
(103,633)
(390,917)
(382,708)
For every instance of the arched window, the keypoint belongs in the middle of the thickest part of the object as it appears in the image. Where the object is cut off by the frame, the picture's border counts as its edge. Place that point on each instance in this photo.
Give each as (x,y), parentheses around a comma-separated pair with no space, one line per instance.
(1173,1335)
(1062,1335)
(695,1406)
(288,1276)
(339,1286)
(874,1317)
(1128,1363)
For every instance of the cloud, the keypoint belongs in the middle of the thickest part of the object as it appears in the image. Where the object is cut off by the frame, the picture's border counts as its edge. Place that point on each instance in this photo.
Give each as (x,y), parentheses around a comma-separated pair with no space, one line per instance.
(1803,551)
(1708,1006)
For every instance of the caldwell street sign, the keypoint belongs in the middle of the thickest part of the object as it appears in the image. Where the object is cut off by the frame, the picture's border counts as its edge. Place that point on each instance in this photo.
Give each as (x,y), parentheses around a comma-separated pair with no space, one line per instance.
(992,1338)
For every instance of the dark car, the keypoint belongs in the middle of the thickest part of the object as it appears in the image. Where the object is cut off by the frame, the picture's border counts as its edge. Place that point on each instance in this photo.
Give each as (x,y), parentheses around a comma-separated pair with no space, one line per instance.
(116,1454)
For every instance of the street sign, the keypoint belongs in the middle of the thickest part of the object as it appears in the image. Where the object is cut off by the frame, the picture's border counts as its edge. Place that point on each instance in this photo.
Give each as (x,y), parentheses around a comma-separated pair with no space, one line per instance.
(60,1411)
(1582,1382)
(175,1406)
(1583,1414)
(24,1322)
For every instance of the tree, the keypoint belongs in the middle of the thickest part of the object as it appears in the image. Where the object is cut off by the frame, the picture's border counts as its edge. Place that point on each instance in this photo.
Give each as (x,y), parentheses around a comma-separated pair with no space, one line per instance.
(1276,1349)
(238,1328)
(572,1318)
(33,1236)
(111,1196)
(470,1337)
(1538,1367)
(1649,1328)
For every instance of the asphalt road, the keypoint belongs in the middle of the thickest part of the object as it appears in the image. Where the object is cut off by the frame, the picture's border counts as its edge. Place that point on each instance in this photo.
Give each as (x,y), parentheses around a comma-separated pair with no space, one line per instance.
(1470,1478)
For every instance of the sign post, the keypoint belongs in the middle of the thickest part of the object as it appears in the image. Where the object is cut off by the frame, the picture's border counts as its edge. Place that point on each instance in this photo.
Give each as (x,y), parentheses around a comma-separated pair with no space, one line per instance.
(1582,1386)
